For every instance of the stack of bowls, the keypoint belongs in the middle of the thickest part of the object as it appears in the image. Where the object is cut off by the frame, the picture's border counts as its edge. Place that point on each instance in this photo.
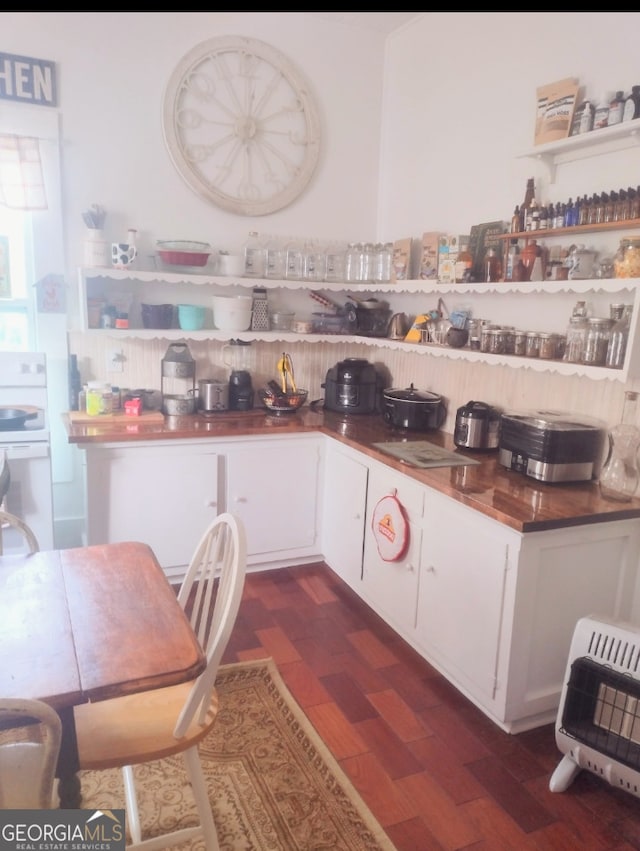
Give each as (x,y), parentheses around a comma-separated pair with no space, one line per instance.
(232,313)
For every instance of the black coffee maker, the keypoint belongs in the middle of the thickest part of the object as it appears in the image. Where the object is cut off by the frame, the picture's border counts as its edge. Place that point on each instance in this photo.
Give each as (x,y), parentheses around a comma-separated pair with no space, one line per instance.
(240,390)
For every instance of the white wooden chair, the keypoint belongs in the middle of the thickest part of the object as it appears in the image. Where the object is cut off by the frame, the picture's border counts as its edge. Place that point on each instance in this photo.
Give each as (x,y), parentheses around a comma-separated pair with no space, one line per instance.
(139,728)
(10,521)
(29,748)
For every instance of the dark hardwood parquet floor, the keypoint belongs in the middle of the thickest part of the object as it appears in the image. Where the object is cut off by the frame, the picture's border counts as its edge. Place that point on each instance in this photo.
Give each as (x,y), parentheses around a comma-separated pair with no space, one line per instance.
(434,770)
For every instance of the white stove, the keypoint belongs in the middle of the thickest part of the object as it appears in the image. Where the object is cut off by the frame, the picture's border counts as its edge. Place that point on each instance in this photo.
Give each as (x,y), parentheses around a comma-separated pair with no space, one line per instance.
(23,386)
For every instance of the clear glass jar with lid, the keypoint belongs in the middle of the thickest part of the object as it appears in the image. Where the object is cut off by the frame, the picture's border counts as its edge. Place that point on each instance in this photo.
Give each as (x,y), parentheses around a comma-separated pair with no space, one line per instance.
(626,262)
(576,339)
(597,340)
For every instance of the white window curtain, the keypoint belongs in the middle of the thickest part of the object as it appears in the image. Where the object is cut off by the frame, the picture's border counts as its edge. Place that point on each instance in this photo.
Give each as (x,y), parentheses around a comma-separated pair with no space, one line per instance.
(21,178)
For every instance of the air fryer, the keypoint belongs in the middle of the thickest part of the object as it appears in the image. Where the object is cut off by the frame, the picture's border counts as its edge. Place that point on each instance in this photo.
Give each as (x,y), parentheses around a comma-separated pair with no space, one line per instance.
(352,386)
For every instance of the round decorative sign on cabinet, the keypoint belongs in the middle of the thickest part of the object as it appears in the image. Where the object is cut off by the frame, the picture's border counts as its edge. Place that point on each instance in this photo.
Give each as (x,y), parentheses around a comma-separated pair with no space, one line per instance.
(241,125)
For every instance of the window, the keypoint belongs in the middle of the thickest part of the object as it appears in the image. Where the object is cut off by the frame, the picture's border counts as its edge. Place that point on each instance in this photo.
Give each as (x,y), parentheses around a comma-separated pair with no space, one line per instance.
(17,332)
(31,244)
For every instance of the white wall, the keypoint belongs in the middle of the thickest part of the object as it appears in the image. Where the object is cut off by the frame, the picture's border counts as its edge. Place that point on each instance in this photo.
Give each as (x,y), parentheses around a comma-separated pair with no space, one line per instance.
(113,68)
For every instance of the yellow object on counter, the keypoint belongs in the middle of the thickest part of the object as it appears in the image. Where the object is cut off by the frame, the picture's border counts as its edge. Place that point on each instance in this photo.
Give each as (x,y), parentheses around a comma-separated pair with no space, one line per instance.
(99,399)
(414,334)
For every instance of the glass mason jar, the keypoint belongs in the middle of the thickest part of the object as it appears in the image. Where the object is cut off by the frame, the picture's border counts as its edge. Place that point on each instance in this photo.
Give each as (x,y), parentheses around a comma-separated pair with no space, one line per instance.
(626,262)
(576,338)
(532,347)
(597,341)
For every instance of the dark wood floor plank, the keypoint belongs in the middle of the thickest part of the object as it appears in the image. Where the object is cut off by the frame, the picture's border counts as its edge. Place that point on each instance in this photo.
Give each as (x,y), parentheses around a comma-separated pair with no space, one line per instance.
(512,796)
(392,708)
(450,825)
(398,758)
(345,692)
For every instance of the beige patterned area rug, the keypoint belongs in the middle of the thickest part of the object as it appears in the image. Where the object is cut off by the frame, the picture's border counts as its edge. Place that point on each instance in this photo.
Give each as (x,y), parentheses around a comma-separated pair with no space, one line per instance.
(274,785)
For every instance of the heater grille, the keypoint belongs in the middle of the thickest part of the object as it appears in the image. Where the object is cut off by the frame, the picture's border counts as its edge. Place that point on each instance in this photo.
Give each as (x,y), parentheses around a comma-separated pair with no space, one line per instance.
(598,724)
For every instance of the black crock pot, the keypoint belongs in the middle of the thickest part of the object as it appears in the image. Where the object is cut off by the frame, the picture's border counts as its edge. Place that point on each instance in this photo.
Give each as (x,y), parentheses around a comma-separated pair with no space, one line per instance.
(413,409)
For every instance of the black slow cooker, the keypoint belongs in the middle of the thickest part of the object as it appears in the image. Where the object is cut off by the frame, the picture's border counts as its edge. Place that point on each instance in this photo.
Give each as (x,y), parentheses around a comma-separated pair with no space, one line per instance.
(413,409)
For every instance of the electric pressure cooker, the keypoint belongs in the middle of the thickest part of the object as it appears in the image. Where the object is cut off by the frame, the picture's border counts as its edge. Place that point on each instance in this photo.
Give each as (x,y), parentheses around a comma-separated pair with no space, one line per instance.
(352,386)
(477,426)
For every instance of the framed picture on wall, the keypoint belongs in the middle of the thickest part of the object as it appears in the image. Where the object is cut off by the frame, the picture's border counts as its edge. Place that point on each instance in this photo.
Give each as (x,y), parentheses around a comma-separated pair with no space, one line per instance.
(5,280)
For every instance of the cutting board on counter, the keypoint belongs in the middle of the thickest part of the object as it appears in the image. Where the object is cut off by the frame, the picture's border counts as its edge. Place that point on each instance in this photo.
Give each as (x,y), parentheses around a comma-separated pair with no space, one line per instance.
(120,417)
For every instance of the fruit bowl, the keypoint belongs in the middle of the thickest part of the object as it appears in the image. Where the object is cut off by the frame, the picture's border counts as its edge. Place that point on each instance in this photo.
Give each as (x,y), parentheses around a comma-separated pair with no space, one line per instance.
(183,252)
(285,403)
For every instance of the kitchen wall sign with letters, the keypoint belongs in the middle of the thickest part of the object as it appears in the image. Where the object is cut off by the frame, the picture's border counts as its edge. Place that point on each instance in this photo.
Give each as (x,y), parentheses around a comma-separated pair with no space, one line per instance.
(28,80)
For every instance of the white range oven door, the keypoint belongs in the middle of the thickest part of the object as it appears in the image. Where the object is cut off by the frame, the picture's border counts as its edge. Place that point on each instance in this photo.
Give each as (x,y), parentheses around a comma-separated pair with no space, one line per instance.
(30,494)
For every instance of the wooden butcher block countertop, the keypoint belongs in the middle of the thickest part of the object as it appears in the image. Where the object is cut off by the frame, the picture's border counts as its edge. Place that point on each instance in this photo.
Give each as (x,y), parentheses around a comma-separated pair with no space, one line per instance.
(511,498)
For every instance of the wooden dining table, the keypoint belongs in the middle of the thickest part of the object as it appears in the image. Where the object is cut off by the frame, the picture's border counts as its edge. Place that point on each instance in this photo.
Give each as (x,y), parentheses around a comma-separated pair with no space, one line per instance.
(88,624)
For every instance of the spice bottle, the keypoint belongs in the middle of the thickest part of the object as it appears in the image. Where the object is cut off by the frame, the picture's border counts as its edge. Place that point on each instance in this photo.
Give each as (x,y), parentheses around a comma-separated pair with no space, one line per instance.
(586,119)
(601,115)
(616,108)
(619,476)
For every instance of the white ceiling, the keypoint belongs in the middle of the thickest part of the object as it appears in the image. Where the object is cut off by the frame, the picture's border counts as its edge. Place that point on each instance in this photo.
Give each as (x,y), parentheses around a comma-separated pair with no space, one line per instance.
(384,22)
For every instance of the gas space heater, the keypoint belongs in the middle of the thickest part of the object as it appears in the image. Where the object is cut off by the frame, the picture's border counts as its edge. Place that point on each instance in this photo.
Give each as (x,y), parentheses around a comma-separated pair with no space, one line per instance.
(598,723)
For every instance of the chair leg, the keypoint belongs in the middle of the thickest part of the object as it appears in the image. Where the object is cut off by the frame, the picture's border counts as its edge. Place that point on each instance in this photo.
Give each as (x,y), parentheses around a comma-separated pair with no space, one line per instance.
(199,786)
(133,813)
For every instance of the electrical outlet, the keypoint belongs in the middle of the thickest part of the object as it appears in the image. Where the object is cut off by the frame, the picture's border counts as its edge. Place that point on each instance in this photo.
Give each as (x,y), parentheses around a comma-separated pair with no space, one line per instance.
(115,360)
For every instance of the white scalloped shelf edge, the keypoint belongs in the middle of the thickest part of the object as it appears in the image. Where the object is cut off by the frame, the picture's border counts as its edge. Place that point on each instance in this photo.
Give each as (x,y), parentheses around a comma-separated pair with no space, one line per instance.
(409,286)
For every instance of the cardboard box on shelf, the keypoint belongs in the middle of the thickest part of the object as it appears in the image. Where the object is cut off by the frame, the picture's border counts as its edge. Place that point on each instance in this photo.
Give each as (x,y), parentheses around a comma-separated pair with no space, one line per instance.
(555,105)
(445,270)
(401,259)
(481,238)
(428,260)
(449,248)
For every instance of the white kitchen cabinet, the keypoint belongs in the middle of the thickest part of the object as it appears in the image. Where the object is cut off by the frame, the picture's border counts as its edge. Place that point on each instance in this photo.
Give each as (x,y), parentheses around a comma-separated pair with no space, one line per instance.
(538,305)
(344,501)
(273,485)
(164,493)
(497,609)
(467,565)
(391,587)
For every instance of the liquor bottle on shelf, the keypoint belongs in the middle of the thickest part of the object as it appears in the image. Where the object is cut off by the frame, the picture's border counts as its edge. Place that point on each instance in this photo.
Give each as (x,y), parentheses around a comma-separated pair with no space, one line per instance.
(529,197)
(75,383)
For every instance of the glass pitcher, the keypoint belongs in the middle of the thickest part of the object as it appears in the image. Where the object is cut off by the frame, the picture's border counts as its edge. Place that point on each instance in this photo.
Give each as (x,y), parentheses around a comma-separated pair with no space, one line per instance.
(620,475)
(237,355)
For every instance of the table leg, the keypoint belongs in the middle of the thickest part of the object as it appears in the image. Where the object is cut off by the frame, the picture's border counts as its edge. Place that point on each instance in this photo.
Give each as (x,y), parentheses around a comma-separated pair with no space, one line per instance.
(69,790)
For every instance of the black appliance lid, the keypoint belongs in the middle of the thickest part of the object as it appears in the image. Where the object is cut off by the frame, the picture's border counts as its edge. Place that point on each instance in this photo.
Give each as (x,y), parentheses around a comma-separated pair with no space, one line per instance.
(554,421)
(410,394)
